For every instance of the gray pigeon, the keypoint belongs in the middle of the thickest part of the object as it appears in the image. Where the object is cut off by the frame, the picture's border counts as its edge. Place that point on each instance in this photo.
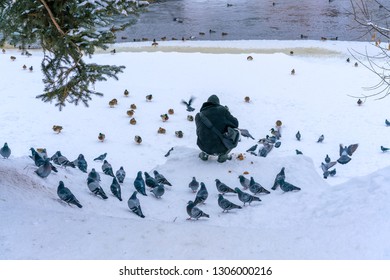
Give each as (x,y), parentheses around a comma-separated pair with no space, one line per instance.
(387,122)
(256,188)
(5,151)
(298,152)
(384,149)
(120,174)
(193,185)
(321,138)
(195,212)
(280,177)
(223,188)
(201,195)
(95,188)
(158,190)
(298,136)
(287,187)
(226,205)
(81,163)
(325,168)
(266,149)
(116,189)
(134,204)
(44,170)
(246,197)
(94,175)
(252,149)
(54,157)
(139,184)
(107,168)
(63,161)
(66,195)
(161,178)
(150,181)
(245,133)
(101,157)
(245,182)
(188,104)
(327,159)
(36,157)
(346,152)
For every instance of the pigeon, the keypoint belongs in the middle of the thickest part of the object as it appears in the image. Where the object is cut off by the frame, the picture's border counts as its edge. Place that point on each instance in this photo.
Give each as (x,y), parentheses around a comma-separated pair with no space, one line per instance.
(120,174)
(201,195)
(107,169)
(384,149)
(298,136)
(298,152)
(277,144)
(95,188)
(158,190)
(345,153)
(66,195)
(161,178)
(101,157)
(169,152)
(332,172)
(226,205)
(252,149)
(193,185)
(150,181)
(94,175)
(245,133)
(63,161)
(245,182)
(5,151)
(36,157)
(327,159)
(246,197)
(139,183)
(134,204)
(280,177)
(321,138)
(325,168)
(81,163)
(265,150)
(223,188)
(387,122)
(188,104)
(195,212)
(54,157)
(45,169)
(116,189)
(256,188)
(287,187)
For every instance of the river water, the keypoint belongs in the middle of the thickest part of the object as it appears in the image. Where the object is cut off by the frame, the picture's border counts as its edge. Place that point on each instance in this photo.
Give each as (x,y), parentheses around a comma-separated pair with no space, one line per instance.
(247,20)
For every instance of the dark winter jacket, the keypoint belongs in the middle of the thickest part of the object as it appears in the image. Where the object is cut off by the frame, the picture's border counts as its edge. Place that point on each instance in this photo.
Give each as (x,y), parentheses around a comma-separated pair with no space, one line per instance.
(221,118)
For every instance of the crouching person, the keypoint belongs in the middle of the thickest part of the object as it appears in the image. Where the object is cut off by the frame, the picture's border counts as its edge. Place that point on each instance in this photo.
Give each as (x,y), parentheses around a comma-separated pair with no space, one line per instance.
(216,130)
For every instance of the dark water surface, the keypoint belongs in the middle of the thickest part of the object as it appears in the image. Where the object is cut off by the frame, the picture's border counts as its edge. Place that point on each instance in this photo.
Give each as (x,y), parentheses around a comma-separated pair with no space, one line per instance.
(247,20)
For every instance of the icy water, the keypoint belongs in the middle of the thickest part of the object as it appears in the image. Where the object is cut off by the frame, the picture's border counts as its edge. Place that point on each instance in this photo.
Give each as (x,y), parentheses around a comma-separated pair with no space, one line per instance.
(247,20)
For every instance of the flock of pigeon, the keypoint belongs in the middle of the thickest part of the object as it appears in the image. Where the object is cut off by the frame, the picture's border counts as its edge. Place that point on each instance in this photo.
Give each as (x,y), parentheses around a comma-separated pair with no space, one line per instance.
(269,142)
(144,181)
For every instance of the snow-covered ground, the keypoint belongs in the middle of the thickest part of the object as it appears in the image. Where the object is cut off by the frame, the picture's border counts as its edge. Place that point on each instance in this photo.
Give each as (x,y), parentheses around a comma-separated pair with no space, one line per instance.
(342,217)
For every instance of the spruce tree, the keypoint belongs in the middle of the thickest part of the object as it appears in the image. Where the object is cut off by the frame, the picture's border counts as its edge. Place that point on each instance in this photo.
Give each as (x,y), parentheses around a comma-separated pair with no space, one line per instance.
(68,31)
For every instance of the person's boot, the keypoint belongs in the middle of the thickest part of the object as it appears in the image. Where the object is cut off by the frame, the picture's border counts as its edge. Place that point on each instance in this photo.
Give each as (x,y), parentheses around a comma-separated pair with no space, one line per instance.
(224,157)
(203,156)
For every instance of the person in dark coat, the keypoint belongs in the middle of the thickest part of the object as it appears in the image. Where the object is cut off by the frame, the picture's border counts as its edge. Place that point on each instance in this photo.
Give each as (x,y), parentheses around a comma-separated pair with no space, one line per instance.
(208,141)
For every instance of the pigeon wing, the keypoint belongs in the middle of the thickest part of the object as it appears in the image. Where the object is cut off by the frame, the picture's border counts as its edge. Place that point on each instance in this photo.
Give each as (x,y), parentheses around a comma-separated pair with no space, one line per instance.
(352,148)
